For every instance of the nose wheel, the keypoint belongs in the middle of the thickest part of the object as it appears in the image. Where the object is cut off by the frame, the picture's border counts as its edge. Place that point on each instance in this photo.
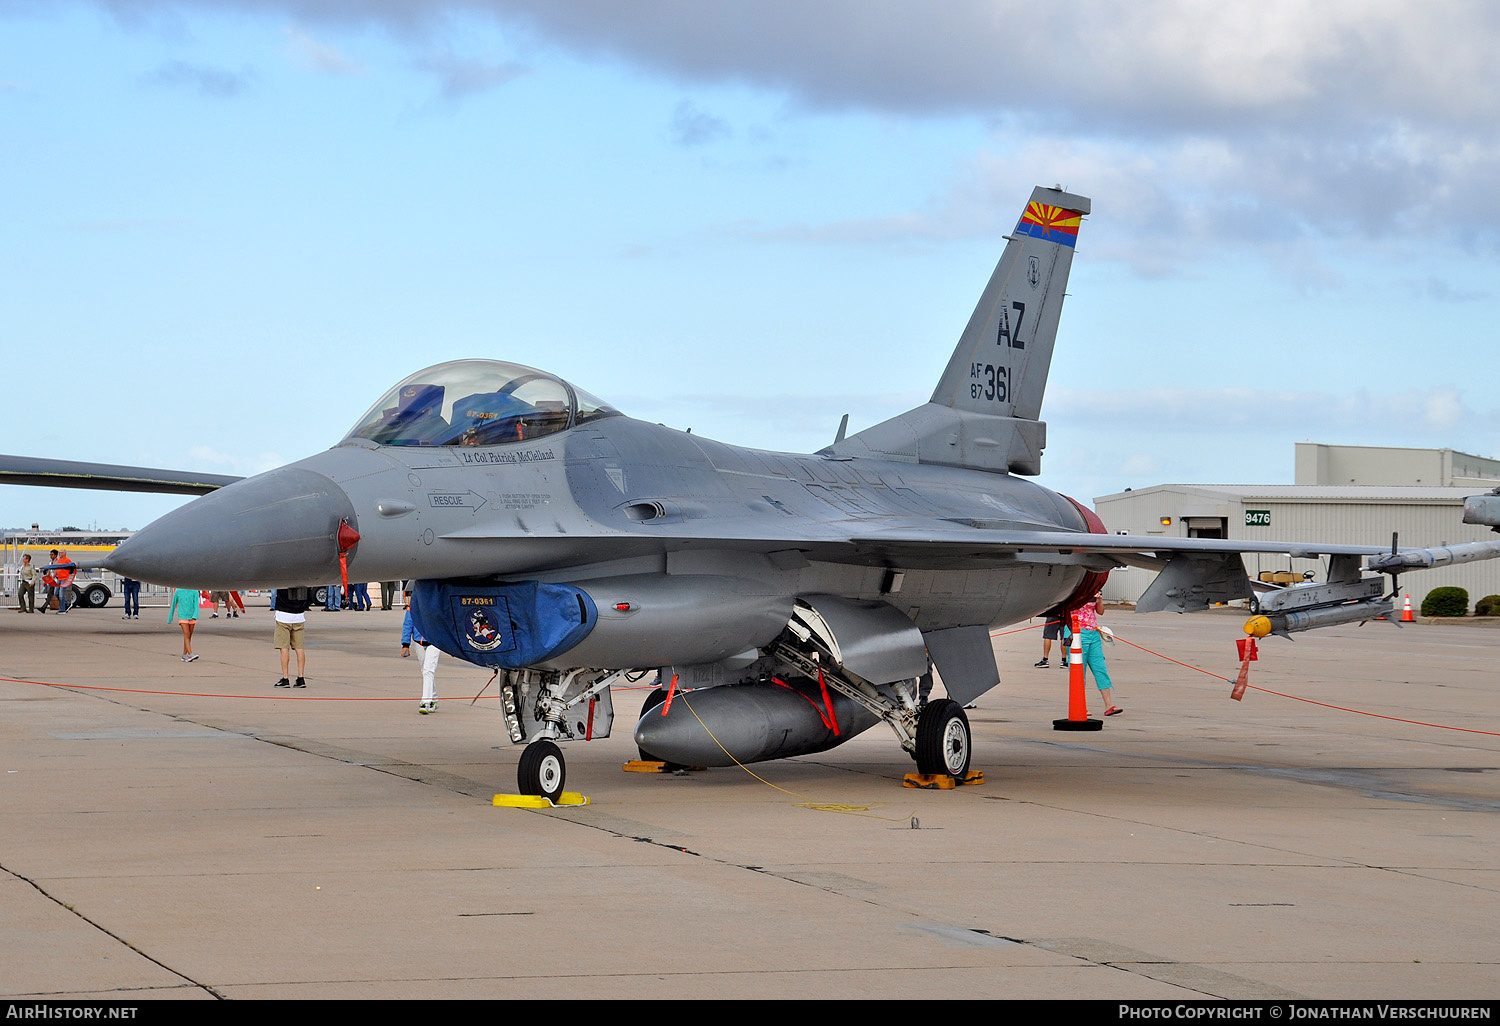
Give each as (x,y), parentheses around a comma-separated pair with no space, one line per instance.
(542,770)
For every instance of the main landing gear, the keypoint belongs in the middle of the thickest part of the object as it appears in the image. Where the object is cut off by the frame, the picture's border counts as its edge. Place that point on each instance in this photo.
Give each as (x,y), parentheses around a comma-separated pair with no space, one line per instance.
(933,732)
(944,744)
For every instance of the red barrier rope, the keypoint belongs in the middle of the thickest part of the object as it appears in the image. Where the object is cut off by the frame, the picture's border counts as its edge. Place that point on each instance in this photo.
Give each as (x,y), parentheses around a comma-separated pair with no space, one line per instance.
(1310,701)
(200,694)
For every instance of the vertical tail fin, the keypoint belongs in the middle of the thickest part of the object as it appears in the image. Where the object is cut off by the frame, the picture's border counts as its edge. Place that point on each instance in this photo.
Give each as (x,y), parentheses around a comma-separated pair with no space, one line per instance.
(986,411)
(1001,363)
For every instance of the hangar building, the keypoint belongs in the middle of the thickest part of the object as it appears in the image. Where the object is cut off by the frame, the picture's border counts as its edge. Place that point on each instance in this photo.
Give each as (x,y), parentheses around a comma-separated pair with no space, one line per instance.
(1352,494)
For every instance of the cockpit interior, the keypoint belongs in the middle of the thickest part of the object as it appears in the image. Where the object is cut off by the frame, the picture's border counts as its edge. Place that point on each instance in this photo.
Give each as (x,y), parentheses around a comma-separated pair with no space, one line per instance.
(478,402)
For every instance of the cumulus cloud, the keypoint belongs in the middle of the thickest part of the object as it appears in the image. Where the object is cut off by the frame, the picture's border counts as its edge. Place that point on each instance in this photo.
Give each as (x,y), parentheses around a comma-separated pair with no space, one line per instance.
(694,127)
(461,77)
(318,55)
(1103,441)
(206,81)
(1426,413)
(1245,121)
(1169,65)
(1445,292)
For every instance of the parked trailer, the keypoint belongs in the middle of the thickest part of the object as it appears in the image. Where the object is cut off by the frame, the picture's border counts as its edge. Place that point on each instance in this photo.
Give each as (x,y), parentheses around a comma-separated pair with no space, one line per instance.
(91,589)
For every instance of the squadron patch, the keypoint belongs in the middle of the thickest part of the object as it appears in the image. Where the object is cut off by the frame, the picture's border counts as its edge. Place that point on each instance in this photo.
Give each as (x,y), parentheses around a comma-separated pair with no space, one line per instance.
(483,621)
(481,632)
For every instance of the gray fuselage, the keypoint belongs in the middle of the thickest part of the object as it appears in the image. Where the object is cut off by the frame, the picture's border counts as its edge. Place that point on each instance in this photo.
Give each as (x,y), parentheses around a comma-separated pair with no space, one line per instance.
(710,542)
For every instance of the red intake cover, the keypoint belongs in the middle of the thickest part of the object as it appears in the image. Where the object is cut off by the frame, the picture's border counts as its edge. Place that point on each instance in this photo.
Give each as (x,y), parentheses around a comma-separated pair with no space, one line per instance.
(1094,580)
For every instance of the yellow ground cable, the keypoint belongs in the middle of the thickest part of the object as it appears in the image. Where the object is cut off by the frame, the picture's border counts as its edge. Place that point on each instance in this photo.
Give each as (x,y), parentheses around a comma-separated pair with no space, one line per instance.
(852,810)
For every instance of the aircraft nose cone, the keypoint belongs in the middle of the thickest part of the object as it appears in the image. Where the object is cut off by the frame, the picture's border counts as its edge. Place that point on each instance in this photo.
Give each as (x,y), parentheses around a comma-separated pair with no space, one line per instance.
(275,530)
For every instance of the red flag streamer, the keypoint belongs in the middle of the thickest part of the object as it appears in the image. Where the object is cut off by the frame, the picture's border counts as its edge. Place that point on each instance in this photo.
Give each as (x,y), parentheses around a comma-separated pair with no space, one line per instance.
(1247,656)
(348,537)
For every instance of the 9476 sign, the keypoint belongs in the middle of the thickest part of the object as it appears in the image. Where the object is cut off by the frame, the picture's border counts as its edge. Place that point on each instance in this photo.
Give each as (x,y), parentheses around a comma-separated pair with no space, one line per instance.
(1257,518)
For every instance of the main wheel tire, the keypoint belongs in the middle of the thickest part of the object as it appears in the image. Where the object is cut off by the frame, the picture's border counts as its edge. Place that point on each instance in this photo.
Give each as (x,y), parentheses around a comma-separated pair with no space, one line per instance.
(542,770)
(944,743)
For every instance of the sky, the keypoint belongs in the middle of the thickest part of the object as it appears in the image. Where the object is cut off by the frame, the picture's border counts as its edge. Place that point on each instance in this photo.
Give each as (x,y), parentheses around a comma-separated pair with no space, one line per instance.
(228,226)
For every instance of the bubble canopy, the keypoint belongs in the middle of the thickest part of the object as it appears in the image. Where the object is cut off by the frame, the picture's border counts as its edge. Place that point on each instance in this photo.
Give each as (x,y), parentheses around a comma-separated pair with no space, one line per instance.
(477,402)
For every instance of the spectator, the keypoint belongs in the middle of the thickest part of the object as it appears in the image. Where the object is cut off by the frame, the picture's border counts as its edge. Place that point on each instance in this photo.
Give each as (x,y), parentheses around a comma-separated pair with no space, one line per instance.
(64,576)
(26,586)
(1093,652)
(290,610)
(410,635)
(185,609)
(1052,631)
(132,598)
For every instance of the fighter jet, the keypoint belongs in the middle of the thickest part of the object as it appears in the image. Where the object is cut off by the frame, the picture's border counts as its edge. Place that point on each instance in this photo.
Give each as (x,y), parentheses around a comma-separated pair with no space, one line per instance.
(785,603)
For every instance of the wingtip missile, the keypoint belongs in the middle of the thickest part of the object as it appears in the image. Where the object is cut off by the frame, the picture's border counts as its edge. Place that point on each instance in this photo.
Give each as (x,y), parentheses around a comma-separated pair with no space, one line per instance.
(1284,624)
(1258,626)
(1483,510)
(1443,555)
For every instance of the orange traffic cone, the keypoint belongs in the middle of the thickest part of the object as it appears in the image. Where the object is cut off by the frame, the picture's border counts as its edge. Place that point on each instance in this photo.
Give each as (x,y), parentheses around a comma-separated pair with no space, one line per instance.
(1406,616)
(1078,714)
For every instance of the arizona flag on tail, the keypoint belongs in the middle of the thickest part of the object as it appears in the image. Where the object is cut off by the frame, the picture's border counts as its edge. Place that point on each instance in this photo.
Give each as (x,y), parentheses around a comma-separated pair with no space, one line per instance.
(1055,224)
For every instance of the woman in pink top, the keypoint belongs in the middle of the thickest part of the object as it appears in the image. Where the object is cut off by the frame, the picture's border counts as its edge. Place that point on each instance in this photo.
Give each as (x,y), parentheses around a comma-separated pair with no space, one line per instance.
(1087,618)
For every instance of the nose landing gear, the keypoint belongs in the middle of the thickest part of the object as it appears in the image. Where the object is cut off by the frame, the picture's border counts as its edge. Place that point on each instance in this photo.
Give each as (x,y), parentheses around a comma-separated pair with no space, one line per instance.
(542,770)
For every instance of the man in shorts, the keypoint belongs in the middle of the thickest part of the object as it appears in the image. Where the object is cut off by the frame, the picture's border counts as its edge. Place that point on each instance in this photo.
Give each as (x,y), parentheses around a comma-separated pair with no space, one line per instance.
(1052,631)
(290,609)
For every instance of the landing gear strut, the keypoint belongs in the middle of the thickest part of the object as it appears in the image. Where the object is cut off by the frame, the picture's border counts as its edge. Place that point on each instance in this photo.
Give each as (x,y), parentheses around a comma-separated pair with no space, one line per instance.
(545,706)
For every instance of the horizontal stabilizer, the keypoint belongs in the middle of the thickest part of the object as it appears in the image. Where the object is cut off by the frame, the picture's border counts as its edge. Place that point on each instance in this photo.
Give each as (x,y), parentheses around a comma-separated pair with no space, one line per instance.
(1194,582)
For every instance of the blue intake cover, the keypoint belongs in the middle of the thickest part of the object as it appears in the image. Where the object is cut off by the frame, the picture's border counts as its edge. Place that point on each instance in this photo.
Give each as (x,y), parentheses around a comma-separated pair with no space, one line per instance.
(506,626)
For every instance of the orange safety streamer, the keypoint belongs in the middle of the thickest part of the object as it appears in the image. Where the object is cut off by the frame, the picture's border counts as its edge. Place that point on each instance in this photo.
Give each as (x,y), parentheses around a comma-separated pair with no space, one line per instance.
(832,721)
(825,716)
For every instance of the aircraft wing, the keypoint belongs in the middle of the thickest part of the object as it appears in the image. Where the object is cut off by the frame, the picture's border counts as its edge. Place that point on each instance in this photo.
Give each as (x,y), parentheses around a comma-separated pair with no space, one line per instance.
(1136,550)
(1194,573)
(1197,572)
(28,470)
(921,544)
